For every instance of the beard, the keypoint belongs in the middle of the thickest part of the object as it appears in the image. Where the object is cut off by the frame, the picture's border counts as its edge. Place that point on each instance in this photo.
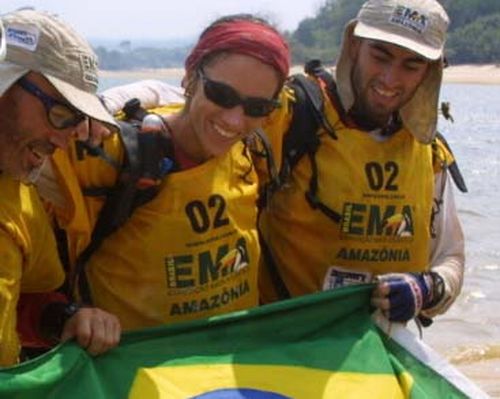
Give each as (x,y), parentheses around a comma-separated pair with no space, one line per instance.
(32,176)
(365,114)
(16,142)
(9,133)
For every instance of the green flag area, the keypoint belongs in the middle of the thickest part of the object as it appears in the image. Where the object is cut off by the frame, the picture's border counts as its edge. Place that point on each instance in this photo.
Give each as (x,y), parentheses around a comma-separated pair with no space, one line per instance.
(319,346)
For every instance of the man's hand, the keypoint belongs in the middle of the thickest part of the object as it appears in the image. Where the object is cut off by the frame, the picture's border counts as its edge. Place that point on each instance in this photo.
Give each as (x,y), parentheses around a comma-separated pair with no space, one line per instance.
(94,329)
(401,296)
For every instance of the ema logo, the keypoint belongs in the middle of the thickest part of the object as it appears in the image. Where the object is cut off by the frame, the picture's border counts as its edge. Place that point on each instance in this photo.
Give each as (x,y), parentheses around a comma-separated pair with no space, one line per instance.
(409,18)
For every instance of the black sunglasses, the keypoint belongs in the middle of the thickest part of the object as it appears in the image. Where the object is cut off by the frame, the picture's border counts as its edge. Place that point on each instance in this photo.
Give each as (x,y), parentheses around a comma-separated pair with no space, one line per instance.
(60,115)
(225,96)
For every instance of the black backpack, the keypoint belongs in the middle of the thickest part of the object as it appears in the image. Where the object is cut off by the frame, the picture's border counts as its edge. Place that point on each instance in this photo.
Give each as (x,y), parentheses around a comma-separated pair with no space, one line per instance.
(308,119)
(147,156)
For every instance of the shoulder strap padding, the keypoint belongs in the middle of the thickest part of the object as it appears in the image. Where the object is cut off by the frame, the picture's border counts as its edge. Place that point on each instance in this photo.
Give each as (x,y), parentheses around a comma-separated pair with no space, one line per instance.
(121,200)
(452,165)
(307,118)
(274,182)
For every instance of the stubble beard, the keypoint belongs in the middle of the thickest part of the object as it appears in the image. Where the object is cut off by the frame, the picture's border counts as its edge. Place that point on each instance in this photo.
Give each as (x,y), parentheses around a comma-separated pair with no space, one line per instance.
(12,141)
(363,112)
(9,135)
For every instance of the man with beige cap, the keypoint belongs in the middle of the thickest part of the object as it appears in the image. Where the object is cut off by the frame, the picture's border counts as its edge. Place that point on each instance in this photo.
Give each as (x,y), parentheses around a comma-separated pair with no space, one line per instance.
(48,82)
(380,205)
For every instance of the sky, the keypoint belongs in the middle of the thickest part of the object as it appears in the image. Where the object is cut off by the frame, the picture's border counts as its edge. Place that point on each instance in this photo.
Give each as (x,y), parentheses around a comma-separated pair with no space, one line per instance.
(162,19)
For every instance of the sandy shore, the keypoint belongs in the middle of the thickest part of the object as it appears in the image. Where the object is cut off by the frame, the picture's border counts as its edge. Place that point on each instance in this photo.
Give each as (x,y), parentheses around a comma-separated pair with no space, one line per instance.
(481,74)
(164,73)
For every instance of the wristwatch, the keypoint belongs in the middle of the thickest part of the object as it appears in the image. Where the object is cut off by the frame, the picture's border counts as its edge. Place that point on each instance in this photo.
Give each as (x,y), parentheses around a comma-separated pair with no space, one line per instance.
(54,317)
(437,289)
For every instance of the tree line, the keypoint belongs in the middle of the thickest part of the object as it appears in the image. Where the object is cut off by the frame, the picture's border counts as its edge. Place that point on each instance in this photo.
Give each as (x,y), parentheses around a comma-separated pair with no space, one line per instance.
(473,37)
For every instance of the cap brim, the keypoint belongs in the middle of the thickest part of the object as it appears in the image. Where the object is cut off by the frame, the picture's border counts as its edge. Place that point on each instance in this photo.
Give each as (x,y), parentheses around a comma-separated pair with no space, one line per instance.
(88,103)
(10,74)
(369,32)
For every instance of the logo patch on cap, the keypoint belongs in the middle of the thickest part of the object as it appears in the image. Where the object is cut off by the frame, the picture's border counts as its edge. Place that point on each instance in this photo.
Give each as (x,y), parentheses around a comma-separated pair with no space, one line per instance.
(22,36)
(89,68)
(409,18)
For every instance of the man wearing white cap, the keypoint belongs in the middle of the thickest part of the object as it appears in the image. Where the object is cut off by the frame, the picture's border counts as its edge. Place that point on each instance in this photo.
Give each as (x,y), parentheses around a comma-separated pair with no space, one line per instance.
(48,82)
(382,207)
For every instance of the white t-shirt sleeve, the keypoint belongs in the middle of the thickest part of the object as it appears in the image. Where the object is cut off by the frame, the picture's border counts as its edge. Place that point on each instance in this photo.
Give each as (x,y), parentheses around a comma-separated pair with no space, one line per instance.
(447,256)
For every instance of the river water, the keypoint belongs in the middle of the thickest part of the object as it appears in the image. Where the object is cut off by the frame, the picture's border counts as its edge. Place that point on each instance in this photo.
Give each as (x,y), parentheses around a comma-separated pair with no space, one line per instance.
(469,333)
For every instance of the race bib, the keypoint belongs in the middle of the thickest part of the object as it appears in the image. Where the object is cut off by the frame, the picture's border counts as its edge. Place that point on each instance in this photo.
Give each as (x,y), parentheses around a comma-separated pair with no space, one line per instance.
(336,277)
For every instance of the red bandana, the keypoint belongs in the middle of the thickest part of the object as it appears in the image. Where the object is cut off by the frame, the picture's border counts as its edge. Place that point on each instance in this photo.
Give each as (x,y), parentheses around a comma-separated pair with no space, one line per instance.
(243,37)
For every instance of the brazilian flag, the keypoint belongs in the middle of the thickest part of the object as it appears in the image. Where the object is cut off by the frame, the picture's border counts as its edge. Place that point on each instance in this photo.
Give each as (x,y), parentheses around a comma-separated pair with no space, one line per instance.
(318,346)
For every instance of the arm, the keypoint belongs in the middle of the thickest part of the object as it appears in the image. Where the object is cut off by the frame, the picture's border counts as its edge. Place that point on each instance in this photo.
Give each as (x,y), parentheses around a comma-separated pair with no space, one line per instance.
(403,296)
(93,329)
(10,276)
(45,319)
(447,248)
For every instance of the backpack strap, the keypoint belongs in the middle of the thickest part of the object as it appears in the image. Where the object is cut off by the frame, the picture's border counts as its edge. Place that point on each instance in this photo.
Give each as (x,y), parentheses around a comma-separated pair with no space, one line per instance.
(312,194)
(443,159)
(279,285)
(84,147)
(264,150)
(451,164)
(302,138)
(148,159)
(315,68)
(307,118)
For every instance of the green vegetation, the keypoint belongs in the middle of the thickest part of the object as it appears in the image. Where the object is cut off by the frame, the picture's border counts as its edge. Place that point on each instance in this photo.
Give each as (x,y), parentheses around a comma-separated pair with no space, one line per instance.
(476,42)
(130,58)
(474,34)
(320,37)
(474,37)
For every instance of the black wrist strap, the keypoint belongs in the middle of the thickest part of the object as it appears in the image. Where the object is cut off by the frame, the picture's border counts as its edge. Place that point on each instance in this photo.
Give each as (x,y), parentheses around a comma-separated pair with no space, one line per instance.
(437,289)
(437,294)
(54,317)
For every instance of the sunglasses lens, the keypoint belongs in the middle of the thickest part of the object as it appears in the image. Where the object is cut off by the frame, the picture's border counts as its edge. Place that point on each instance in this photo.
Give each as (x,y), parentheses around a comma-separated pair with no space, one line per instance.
(63,117)
(220,94)
(225,96)
(258,107)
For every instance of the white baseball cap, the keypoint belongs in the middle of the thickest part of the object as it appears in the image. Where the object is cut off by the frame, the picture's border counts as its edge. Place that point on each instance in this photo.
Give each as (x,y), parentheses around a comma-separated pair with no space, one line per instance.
(417,25)
(41,42)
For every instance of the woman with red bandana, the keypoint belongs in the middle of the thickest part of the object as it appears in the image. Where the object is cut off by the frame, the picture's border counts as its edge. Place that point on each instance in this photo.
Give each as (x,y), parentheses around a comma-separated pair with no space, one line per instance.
(192,251)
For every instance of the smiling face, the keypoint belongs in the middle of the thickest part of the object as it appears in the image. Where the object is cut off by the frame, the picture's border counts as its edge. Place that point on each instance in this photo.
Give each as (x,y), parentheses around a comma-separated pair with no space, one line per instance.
(384,78)
(26,136)
(209,130)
